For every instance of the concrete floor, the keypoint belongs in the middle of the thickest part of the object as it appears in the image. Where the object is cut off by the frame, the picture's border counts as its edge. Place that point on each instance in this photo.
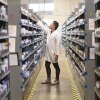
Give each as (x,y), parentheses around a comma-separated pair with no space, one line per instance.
(60,92)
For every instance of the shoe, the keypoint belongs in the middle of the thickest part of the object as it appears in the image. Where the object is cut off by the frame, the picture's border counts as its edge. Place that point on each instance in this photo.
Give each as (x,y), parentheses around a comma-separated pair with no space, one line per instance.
(46,82)
(56,82)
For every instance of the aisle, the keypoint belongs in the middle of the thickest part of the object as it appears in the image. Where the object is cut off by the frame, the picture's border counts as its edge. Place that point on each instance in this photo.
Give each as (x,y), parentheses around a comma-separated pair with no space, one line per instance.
(60,92)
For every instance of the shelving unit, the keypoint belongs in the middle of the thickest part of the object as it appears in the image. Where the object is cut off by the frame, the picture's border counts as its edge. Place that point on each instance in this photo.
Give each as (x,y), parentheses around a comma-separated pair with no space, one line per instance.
(30,45)
(4,52)
(97,41)
(77,40)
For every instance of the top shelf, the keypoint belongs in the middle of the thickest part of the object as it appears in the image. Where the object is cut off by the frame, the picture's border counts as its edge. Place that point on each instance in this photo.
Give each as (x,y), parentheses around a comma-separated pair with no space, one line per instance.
(23,13)
(76,17)
(27,15)
(4,2)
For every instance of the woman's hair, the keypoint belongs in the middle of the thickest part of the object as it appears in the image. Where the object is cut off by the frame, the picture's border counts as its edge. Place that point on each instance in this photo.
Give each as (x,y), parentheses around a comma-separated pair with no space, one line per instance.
(56,24)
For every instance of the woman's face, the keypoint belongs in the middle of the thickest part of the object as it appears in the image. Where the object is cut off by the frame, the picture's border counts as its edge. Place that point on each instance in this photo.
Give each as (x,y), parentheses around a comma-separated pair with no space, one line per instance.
(52,27)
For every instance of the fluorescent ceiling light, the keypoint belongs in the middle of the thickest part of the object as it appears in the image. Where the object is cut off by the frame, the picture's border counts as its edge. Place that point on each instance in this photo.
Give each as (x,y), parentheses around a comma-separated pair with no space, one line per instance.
(42,7)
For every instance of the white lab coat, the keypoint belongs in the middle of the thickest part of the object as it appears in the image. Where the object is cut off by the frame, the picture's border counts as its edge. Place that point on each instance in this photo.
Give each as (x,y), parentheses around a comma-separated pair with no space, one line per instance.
(53,43)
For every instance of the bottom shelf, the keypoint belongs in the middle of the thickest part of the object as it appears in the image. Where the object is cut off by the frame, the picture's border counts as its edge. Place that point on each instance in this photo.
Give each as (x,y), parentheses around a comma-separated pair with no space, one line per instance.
(77,78)
(81,80)
(33,70)
(26,82)
(97,92)
(32,80)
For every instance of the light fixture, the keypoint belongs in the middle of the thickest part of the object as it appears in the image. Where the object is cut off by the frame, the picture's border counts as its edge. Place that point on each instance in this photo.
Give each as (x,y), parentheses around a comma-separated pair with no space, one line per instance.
(42,7)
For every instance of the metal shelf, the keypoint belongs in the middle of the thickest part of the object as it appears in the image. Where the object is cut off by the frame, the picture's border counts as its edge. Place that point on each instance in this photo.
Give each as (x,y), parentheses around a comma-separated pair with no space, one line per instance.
(3,2)
(38,34)
(6,94)
(26,25)
(64,41)
(97,53)
(28,56)
(27,35)
(97,1)
(3,20)
(31,53)
(26,82)
(76,52)
(4,37)
(27,45)
(97,34)
(78,33)
(76,26)
(2,55)
(82,83)
(97,19)
(75,18)
(97,72)
(36,27)
(30,35)
(78,65)
(77,42)
(30,17)
(29,65)
(24,14)
(76,62)
(97,92)
(4,75)
(78,69)
(80,43)
(31,43)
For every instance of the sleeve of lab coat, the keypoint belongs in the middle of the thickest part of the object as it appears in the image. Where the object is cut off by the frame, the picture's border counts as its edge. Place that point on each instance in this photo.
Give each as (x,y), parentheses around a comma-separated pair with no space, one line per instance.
(44,28)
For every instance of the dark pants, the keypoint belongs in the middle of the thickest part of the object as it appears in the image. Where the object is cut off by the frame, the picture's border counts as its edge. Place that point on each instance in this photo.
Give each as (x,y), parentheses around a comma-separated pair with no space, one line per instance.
(48,69)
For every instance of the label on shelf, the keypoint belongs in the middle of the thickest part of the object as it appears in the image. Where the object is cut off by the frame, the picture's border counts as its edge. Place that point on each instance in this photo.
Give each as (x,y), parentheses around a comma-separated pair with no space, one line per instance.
(91,53)
(12,30)
(93,39)
(91,24)
(12,45)
(13,59)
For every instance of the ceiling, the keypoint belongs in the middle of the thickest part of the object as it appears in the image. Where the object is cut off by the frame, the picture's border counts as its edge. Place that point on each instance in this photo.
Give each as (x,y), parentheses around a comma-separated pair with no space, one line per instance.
(41,1)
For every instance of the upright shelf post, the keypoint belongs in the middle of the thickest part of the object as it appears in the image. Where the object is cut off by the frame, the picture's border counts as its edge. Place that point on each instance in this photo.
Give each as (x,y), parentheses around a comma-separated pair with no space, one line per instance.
(89,63)
(27,39)
(14,17)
